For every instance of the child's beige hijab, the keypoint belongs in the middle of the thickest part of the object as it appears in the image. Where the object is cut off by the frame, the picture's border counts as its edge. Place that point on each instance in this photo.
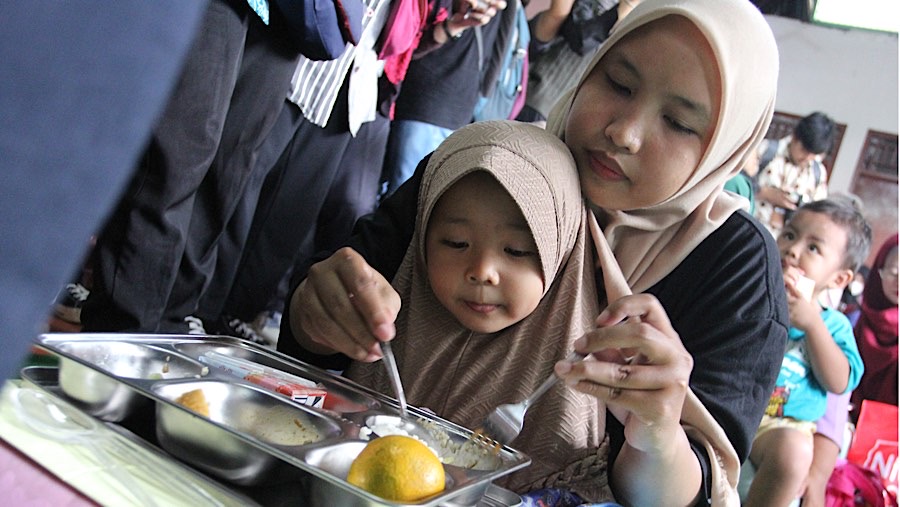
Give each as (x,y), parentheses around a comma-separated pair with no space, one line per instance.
(462,375)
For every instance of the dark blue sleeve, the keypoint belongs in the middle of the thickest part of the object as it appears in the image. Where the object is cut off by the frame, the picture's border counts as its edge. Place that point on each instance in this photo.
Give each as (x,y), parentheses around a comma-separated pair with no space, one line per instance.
(82,87)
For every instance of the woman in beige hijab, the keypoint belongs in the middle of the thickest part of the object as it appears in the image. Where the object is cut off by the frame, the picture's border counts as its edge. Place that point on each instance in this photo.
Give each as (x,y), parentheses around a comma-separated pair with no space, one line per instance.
(660,120)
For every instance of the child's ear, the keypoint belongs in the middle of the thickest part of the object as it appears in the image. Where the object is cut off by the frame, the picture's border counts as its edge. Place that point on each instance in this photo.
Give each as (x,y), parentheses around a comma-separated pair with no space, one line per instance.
(841,279)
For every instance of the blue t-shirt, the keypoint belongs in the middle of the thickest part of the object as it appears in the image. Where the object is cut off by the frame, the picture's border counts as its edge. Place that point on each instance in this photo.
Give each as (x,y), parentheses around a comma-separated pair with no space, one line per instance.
(797,393)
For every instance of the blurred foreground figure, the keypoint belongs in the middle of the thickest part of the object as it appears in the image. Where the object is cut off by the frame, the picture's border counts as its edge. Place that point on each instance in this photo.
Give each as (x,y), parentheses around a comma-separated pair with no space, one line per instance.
(80,93)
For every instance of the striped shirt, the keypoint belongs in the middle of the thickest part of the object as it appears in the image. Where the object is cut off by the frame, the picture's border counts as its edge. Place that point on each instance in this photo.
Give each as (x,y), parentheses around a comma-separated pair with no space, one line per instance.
(315,84)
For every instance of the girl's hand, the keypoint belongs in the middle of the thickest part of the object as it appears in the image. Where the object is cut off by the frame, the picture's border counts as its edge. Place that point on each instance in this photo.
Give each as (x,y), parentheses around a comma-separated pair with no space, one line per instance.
(344,305)
(640,370)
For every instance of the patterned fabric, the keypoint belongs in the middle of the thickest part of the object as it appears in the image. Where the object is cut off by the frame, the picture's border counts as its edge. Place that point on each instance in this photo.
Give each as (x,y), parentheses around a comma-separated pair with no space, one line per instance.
(797,393)
(800,182)
(554,497)
(261,8)
(315,84)
(551,498)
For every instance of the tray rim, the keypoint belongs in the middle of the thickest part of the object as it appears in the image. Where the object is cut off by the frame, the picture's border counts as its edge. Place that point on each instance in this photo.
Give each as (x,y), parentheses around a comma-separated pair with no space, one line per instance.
(25,374)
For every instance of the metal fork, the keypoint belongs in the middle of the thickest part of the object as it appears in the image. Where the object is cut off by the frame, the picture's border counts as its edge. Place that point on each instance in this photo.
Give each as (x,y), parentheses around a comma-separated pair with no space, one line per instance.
(505,423)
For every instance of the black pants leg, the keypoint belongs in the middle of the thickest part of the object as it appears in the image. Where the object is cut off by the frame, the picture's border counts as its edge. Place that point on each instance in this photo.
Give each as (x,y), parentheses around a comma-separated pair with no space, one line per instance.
(231,244)
(328,178)
(262,84)
(139,250)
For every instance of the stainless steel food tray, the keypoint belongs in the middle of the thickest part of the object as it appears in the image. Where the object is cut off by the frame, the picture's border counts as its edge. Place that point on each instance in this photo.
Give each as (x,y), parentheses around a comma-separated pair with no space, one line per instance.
(254,434)
(49,413)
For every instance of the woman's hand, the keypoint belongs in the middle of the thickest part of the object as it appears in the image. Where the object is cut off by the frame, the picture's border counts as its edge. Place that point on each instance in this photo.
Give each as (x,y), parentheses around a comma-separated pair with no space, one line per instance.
(344,305)
(640,370)
(776,197)
(467,13)
(560,8)
(551,20)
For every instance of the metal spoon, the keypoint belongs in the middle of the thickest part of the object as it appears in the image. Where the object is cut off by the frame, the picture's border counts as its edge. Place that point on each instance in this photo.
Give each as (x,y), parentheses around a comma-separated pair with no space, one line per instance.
(394,376)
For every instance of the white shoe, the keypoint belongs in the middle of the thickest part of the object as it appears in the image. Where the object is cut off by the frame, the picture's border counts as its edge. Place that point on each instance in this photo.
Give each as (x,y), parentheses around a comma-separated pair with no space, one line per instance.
(268,326)
(195,325)
(68,304)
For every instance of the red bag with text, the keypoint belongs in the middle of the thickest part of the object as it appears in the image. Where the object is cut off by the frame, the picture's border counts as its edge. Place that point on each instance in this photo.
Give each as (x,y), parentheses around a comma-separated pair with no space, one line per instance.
(874,444)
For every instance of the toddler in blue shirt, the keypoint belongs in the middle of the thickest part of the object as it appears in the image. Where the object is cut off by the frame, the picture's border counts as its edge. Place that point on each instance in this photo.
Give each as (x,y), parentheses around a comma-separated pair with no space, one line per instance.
(821,247)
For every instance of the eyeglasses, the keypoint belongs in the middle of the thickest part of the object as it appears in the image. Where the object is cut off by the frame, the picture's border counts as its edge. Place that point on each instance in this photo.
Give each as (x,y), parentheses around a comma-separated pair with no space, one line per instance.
(888,274)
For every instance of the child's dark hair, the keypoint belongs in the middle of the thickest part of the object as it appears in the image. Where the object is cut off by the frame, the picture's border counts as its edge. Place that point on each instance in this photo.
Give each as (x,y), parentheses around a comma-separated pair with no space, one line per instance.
(859,234)
(815,132)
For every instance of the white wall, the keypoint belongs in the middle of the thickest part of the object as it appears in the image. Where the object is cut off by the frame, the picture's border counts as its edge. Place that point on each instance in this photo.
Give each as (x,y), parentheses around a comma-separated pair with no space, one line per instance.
(851,75)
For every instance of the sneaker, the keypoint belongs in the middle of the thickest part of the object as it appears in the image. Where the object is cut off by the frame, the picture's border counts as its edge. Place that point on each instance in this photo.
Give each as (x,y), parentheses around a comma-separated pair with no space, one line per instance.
(242,329)
(268,326)
(69,301)
(195,325)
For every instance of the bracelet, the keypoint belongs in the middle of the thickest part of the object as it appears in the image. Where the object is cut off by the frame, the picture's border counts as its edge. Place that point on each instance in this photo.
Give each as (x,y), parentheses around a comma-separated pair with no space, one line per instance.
(446,27)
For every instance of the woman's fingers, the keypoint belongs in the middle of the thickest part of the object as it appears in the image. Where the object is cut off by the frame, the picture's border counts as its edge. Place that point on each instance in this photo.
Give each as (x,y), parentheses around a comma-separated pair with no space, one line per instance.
(637,307)
(346,305)
(632,329)
(478,12)
(609,380)
(637,366)
(659,361)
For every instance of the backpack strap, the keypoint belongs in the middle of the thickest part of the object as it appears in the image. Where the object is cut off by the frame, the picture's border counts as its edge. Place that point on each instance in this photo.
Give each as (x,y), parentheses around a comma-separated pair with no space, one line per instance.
(817,172)
(768,154)
(490,69)
(479,41)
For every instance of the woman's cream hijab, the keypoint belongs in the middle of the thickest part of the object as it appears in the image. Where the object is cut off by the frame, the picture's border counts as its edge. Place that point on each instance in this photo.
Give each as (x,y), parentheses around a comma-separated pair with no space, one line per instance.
(463,375)
(650,242)
(638,248)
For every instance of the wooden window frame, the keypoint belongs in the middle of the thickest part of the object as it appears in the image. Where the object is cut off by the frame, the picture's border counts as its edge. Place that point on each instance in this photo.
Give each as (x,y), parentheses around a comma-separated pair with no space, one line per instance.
(869,150)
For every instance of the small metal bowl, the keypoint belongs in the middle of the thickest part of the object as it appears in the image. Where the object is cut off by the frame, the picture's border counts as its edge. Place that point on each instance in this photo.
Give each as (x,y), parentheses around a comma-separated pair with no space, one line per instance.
(235,441)
(95,384)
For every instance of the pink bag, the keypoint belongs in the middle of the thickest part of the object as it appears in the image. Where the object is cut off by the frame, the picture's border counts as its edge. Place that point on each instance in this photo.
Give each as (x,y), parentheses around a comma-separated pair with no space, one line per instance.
(851,485)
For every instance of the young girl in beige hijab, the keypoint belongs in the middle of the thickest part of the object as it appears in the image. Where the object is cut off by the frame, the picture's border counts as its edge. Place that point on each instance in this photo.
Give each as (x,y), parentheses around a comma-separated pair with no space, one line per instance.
(496,286)
(685,364)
